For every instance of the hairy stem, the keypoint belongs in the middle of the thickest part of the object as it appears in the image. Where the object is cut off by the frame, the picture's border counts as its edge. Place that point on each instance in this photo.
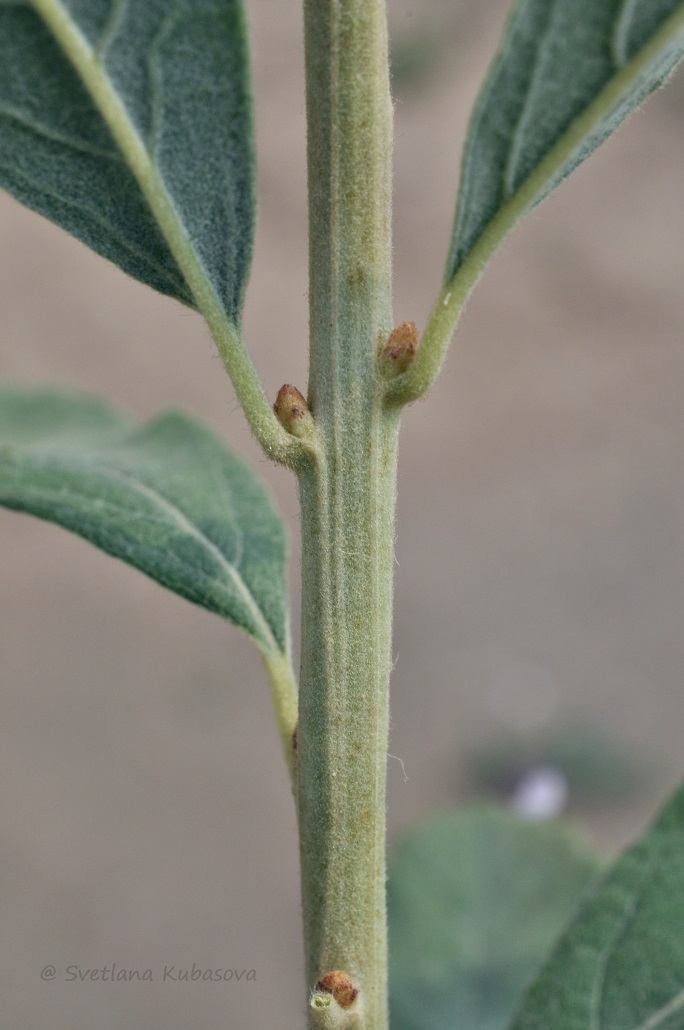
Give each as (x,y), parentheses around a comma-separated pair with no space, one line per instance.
(284,692)
(348,498)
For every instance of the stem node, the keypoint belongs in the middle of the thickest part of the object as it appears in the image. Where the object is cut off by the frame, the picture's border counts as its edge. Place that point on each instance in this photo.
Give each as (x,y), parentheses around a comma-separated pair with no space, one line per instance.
(328,1014)
(341,986)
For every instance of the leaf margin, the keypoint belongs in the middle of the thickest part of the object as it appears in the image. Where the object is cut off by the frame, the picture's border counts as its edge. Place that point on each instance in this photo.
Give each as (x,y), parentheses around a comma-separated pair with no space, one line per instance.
(66,416)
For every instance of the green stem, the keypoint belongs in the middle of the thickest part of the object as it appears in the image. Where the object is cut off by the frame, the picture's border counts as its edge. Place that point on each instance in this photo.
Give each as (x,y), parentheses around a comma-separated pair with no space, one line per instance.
(348,500)
(284,692)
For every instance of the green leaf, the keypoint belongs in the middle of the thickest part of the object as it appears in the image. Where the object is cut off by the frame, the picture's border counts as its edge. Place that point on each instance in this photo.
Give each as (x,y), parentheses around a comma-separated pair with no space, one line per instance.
(567,74)
(166,497)
(128,122)
(476,899)
(620,966)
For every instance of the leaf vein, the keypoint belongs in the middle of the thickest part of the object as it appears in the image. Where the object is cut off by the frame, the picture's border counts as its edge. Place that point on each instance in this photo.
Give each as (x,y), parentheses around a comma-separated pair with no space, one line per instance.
(155,78)
(620,35)
(664,1013)
(21,118)
(111,30)
(629,911)
(517,136)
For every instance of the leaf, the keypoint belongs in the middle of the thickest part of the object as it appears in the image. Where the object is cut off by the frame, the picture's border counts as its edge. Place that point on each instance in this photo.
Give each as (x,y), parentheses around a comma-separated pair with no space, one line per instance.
(567,74)
(128,123)
(476,898)
(166,497)
(620,966)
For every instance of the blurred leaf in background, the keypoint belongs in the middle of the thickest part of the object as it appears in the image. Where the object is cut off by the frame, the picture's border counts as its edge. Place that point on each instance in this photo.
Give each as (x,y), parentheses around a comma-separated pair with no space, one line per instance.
(476,898)
(620,962)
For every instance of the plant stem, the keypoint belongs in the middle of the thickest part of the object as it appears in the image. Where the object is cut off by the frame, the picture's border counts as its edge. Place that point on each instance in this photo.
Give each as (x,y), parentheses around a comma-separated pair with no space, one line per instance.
(284,692)
(348,499)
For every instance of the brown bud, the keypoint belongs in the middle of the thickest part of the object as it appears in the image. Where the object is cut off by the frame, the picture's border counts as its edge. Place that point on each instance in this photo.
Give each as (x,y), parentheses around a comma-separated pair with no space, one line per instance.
(400,349)
(293,412)
(341,986)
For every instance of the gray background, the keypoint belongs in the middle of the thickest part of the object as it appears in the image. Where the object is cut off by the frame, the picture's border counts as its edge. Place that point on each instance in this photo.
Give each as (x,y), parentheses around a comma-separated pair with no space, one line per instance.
(146,817)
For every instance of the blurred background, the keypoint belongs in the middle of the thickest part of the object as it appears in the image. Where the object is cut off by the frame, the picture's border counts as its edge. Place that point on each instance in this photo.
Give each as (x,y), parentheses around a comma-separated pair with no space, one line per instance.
(146,816)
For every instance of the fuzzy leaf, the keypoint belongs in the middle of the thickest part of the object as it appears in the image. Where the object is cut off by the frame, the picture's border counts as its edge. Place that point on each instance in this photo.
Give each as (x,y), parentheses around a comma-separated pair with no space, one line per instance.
(166,497)
(567,74)
(92,88)
(620,966)
(476,899)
